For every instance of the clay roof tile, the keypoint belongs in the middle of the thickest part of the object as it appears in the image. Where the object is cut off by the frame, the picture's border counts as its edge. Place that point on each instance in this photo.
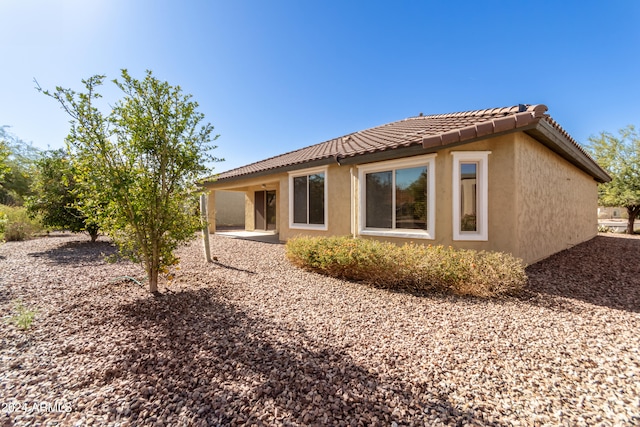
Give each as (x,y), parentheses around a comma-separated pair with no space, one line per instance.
(430,132)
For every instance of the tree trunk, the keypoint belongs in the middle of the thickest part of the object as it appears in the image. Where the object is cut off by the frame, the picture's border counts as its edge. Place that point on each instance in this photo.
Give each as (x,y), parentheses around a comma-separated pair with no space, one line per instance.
(633,213)
(153,280)
(154,267)
(93,230)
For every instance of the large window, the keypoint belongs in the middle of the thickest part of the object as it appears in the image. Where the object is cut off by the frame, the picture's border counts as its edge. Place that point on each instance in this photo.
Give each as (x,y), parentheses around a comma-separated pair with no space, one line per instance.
(470,195)
(398,198)
(308,208)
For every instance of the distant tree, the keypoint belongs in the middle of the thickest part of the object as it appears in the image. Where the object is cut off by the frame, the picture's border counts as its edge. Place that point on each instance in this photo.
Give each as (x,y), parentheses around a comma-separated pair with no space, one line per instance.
(4,168)
(4,157)
(56,199)
(17,168)
(137,166)
(620,157)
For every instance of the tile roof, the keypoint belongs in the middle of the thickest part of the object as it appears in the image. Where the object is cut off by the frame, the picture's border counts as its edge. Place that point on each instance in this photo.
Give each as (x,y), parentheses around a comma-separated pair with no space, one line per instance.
(431,132)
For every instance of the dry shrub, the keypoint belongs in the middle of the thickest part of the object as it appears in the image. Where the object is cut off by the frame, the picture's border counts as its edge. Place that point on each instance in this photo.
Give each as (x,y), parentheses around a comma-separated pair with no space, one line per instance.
(16,225)
(410,267)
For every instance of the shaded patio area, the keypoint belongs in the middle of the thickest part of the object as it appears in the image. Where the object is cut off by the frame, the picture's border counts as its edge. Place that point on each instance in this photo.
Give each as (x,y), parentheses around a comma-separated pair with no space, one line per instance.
(258,236)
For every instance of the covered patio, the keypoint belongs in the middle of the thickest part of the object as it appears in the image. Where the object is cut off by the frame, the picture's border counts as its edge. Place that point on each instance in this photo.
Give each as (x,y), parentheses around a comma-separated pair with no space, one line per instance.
(270,236)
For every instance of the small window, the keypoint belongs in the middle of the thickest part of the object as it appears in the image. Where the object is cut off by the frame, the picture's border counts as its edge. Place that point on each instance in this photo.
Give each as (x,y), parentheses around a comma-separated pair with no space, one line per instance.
(308,200)
(398,198)
(470,195)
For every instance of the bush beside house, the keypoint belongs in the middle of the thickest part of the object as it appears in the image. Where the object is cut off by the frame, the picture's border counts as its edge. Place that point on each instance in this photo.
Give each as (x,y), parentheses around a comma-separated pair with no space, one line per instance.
(411,267)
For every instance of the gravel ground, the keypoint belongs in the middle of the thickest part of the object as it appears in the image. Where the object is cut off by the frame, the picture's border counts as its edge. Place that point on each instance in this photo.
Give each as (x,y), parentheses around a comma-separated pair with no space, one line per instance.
(251,340)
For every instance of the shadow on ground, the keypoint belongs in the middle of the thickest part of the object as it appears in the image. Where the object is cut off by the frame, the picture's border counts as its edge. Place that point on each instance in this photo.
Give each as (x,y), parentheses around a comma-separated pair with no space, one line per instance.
(77,252)
(58,234)
(603,271)
(200,357)
(254,236)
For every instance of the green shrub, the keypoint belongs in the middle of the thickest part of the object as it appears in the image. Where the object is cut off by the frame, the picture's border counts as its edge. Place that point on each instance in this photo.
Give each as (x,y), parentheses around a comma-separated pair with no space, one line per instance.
(604,229)
(16,225)
(23,318)
(410,267)
(3,222)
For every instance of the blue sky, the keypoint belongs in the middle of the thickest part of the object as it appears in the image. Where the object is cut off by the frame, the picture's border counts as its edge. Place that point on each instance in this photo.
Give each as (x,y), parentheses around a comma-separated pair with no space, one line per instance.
(274,76)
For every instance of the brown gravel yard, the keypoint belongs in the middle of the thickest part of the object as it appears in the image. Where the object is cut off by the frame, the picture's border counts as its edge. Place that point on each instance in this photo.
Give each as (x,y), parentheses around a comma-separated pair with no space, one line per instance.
(251,340)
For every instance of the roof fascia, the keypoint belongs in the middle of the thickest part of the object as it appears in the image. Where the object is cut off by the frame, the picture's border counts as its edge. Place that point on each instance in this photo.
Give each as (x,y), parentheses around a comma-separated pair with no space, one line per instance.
(550,137)
(391,154)
(541,130)
(282,169)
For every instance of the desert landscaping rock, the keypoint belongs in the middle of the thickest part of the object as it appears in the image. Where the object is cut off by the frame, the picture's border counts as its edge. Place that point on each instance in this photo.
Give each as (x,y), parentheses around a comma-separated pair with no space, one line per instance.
(252,340)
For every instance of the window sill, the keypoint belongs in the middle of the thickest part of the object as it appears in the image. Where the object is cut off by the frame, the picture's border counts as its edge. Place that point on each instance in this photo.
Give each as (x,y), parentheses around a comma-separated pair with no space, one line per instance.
(459,237)
(404,234)
(319,227)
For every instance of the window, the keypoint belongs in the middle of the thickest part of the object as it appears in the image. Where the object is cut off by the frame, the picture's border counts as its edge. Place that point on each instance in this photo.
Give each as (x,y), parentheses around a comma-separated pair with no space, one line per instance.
(470,195)
(397,198)
(307,200)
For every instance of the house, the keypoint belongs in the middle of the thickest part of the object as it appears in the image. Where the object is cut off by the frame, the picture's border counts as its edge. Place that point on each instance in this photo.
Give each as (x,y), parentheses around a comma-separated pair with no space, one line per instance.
(505,179)
(607,212)
(615,219)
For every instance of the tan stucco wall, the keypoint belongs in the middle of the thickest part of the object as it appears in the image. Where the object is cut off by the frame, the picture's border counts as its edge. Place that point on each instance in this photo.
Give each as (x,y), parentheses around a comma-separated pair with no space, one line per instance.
(501,216)
(229,207)
(557,203)
(248,187)
(501,206)
(339,202)
(539,203)
(211,208)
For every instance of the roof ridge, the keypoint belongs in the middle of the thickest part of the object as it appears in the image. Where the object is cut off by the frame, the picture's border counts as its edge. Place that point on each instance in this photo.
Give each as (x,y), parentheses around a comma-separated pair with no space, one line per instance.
(520,108)
(470,113)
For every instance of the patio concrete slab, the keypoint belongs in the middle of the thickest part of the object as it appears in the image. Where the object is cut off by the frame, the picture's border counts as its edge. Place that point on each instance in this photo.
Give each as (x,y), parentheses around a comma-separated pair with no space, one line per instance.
(259,236)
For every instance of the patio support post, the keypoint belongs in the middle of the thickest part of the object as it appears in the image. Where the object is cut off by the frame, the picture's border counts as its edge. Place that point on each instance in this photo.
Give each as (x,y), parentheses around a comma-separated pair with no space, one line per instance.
(205,227)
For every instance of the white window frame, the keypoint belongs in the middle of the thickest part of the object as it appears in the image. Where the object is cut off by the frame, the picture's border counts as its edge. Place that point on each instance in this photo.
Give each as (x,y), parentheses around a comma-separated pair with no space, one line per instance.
(482,195)
(429,162)
(307,172)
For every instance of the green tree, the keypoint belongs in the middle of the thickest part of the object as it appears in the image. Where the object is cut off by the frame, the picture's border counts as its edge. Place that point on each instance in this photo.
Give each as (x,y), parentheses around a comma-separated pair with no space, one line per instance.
(620,157)
(17,169)
(4,157)
(56,200)
(137,166)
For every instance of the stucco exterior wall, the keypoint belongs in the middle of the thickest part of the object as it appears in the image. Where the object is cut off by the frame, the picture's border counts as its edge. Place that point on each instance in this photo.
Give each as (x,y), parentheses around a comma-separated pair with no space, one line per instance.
(229,207)
(339,203)
(557,203)
(211,208)
(249,210)
(538,203)
(248,187)
(501,205)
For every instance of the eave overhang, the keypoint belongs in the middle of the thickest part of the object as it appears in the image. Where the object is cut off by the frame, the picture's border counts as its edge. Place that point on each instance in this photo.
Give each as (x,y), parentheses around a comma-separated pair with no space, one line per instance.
(549,135)
(531,120)
(534,123)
